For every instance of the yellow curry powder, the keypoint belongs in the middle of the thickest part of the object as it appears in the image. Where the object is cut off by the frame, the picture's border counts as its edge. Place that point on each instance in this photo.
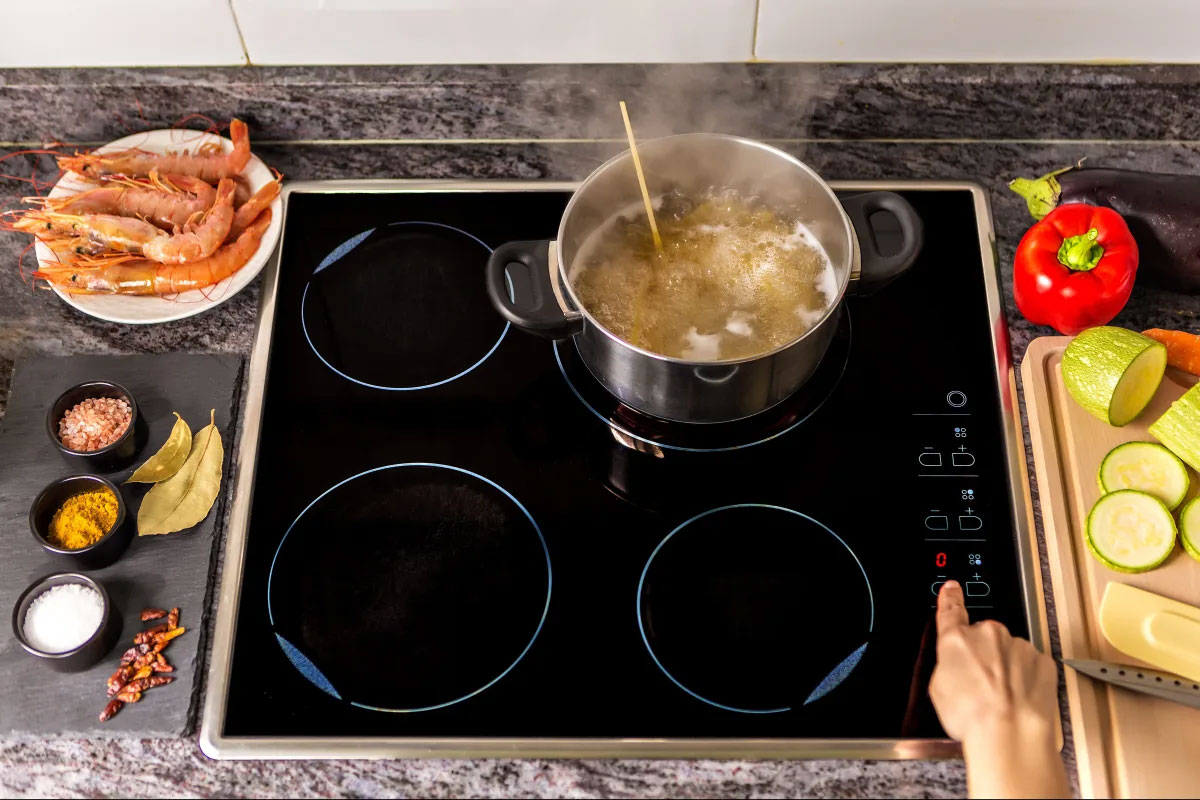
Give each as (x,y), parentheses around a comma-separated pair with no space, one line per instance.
(83,519)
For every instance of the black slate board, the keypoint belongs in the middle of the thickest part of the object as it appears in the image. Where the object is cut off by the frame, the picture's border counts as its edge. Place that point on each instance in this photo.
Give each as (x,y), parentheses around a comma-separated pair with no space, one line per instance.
(162,571)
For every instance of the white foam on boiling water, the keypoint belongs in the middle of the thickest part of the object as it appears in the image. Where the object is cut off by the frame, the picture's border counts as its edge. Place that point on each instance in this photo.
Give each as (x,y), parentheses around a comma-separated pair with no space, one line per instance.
(702,347)
(739,323)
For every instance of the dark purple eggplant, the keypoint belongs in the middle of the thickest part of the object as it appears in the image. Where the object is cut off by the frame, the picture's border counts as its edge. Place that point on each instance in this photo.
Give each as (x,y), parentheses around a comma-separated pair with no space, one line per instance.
(1162,211)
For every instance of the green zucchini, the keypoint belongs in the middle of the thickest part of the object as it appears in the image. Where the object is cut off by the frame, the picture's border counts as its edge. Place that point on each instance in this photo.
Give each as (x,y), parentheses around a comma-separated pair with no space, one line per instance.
(1130,531)
(1189,528)
(1179,427)
(1113,373)
(1147,467)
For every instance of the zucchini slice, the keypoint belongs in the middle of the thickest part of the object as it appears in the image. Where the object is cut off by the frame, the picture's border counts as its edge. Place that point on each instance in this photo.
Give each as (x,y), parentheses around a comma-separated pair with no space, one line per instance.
(1130,531)
(1189,528)
(1179,427)
(1147,467)
(1113,373)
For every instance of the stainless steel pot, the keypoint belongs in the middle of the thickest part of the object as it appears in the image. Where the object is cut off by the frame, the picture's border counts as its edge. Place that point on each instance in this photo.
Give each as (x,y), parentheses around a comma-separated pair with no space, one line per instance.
(672,388)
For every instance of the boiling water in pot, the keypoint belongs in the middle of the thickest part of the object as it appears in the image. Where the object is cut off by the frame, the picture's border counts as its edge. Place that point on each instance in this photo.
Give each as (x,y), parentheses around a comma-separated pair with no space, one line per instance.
(734,278)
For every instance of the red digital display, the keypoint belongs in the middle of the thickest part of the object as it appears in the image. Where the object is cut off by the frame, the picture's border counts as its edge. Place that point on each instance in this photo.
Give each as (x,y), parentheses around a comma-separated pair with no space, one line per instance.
(940,560)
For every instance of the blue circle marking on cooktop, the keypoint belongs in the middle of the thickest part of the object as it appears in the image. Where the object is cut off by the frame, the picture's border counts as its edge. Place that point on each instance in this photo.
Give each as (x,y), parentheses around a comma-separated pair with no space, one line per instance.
(354,241)
(562,368)
(827,684)
(313,673)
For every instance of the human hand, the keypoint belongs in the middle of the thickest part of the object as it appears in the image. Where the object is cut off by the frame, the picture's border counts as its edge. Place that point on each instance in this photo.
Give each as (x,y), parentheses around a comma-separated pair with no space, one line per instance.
(998,696)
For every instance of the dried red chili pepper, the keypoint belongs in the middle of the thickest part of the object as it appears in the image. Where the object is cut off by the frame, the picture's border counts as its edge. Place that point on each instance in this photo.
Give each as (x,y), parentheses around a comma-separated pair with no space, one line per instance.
(153,613)
(129,697)
(119,678)
(111,710)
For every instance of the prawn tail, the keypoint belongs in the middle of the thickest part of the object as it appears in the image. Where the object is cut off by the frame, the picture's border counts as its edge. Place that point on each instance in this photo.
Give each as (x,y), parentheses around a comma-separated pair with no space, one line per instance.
(239,157)
(253,208)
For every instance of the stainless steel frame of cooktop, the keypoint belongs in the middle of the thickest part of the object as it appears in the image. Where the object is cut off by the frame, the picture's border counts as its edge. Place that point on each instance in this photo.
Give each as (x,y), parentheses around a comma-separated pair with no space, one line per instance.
(217,745)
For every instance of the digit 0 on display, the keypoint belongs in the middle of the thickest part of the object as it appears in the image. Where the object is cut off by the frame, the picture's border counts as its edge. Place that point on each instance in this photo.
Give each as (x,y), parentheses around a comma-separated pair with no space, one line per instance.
(940,560)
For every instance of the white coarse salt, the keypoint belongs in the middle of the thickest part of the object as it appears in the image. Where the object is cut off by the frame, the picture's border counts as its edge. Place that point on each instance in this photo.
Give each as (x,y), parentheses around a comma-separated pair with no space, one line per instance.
(63,617)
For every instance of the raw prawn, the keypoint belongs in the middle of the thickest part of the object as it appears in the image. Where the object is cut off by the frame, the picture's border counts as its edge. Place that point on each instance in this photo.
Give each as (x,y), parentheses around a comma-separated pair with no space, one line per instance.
(250,210)
(116,274)
(169,201)
(124,234)
(199,241)
(132,235)
(206,162)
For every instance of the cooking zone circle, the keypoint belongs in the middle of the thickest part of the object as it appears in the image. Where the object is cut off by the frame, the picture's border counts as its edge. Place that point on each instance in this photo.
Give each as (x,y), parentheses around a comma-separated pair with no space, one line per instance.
(418,286)
(708,437)
(409,587)
(755,608)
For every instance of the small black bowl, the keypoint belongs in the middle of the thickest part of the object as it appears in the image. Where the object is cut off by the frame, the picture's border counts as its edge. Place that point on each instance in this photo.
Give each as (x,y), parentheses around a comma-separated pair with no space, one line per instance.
(103,551)
(114,457)
(91,651)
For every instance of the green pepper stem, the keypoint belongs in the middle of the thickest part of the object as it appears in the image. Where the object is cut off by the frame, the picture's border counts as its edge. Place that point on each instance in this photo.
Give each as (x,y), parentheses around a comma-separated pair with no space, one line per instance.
(1081,252)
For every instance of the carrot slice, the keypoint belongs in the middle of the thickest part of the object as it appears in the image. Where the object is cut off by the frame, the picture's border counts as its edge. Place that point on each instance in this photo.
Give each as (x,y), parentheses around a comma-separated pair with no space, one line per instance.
(1183,349)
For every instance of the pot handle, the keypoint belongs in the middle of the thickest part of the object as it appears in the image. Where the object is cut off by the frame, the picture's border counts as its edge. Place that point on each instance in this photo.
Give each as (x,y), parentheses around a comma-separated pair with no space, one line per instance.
(876,269)
(543,312)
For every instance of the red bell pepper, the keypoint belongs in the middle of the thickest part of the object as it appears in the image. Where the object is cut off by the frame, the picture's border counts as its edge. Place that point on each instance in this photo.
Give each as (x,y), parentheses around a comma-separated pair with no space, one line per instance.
(1075,268)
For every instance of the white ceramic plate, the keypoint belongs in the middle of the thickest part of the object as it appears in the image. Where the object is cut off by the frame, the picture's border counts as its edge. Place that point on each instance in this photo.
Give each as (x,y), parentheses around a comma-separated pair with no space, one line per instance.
(147,310)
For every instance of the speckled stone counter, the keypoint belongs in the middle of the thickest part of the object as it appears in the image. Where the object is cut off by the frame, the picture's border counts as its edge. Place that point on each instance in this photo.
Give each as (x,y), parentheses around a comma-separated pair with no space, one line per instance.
(985,124)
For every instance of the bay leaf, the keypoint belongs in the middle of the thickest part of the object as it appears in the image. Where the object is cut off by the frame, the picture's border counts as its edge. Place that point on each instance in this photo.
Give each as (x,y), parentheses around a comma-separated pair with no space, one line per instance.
(169,458)
(184,499)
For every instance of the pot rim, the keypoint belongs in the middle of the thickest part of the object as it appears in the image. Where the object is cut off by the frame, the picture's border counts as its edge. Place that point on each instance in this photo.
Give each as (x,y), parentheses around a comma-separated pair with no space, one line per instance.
(624,155)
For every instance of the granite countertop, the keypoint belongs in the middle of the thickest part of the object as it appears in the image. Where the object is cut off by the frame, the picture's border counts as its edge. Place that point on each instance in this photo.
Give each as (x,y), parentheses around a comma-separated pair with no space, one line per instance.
(491,123)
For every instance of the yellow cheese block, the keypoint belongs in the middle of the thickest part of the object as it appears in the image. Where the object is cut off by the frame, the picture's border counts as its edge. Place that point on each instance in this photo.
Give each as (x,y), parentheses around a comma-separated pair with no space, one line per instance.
(1164,633)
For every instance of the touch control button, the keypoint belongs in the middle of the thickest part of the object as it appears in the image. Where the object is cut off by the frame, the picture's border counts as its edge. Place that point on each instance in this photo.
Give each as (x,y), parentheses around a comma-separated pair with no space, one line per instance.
(929,459)
(937,522)
(937,587)
(978,589)
(969,522)
(962,459)
(956,399)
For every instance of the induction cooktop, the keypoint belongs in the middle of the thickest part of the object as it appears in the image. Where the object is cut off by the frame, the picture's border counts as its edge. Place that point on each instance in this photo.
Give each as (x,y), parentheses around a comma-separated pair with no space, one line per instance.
(449,539)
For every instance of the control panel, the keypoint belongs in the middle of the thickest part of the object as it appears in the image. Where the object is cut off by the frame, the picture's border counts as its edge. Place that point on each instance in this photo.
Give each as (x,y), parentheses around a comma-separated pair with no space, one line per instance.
(953,513)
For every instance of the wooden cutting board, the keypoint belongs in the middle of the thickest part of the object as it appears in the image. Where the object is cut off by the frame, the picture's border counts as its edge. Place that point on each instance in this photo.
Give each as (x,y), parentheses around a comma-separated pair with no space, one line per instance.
(1126,744)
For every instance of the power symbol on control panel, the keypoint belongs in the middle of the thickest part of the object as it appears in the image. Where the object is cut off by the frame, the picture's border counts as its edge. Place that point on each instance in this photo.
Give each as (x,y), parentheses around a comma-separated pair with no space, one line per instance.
(956,399)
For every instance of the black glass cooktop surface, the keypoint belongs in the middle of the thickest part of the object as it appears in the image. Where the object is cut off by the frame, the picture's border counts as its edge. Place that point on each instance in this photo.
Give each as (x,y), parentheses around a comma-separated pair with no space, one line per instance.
(455,532)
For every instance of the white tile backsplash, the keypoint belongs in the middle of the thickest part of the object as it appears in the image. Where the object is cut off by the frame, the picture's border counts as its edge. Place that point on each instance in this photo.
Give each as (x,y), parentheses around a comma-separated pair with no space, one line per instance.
(116,33)
(203,32)
(979,30)
(495,31)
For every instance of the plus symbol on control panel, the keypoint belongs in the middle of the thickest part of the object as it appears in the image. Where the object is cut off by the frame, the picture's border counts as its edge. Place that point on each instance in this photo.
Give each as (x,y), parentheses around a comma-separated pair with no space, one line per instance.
(975,576)
(962,448)
(970,510)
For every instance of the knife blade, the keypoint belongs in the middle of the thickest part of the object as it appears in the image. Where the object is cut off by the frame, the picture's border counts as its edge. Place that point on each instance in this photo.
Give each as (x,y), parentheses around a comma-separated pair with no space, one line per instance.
(1139,679)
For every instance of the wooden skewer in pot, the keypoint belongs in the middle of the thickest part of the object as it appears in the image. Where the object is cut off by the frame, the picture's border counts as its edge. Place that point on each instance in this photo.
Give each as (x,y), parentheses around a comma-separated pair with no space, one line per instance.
(636,333)
(641,176)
